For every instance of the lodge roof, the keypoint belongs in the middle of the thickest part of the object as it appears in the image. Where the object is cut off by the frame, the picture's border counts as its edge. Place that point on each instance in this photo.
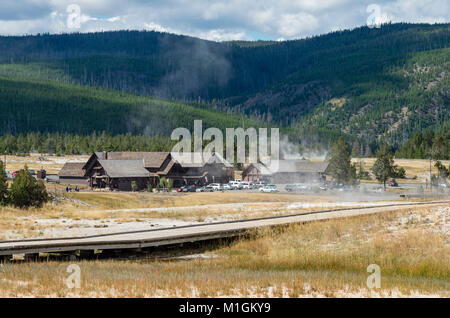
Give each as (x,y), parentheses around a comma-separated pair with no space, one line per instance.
(72,169)
(260,167)
(154,161)
(124,168)
(297,166)
(151,159)
(291,166)
(196,160)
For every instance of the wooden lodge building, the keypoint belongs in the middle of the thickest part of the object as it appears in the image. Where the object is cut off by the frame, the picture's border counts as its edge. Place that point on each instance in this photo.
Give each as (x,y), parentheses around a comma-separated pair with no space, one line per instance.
(117,170)
(287,171)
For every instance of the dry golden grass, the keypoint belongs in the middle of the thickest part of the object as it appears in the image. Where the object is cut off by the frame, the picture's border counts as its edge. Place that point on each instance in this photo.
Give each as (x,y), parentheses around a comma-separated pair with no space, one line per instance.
(149,207)
(187,207)
(316,259)
(116,200)
(413,167)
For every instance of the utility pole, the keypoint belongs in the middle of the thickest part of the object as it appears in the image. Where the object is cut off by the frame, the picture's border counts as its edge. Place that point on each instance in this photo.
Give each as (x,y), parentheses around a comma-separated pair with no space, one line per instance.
(431,185)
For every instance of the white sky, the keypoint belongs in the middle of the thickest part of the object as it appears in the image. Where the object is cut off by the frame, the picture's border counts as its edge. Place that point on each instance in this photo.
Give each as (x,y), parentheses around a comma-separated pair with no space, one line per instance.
(217,20)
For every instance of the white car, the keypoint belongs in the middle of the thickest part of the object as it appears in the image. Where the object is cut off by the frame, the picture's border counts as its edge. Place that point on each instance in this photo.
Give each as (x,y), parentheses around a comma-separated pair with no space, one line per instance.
(215,186)
(259,184)
(269,188)
(236,185)
(226,186)
(246,185)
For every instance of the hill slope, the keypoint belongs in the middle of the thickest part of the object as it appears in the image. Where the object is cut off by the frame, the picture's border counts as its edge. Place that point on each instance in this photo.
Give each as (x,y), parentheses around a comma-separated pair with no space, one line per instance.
(49,106)
(371,85)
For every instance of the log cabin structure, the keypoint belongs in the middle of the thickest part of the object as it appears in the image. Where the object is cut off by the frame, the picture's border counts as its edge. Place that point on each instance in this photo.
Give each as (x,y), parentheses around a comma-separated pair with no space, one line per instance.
(287,171)
(127,171)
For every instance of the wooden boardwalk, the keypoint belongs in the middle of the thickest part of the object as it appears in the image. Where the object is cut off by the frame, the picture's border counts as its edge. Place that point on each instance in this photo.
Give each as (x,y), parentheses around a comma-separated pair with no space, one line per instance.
(138,240)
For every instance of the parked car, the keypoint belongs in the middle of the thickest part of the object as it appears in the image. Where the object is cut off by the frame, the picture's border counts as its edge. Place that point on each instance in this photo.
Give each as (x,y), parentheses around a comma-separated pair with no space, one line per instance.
(246,185)
(180,189)
(236,185)
(226,186)
(191,188)
(392,183)
(32,172)
(200,189)
(259,184)
(204,189)
(296,187)
(209,188)
(290,187)
(215,186)
(269,188)
(443,185)
(14,173)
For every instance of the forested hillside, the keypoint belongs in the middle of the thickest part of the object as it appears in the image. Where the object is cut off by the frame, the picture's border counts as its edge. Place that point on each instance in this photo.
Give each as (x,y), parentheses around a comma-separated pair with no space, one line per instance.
(389,105)
(371,85)
(48,106)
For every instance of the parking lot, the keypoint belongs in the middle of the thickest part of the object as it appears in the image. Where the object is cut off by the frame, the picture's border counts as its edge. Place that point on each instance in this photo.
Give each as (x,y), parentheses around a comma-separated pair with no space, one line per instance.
(363,191)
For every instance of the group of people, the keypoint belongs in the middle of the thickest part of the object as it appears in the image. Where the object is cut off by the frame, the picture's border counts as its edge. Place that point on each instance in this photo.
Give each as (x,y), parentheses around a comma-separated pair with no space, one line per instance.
(69,189)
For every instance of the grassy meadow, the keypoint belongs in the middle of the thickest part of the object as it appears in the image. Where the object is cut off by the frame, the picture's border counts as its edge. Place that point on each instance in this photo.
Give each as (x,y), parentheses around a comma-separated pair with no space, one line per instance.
(321,259)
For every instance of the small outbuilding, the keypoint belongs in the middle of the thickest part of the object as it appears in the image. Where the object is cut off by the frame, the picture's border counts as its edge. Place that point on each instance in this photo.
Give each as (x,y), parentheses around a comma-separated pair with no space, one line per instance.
(73,173)
(287,171)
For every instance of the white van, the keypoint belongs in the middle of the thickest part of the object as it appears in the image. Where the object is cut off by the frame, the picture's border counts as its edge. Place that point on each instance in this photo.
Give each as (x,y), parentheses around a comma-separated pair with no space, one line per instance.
(236,185)
(245,185)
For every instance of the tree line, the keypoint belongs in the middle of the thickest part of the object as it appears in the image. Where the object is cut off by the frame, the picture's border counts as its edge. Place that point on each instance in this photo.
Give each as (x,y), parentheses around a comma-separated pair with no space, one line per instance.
(426,145)
(69,144)
(343,170)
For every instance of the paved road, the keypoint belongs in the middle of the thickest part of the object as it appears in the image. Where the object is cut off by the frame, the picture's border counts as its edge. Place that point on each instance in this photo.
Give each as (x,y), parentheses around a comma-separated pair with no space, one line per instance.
(191,233)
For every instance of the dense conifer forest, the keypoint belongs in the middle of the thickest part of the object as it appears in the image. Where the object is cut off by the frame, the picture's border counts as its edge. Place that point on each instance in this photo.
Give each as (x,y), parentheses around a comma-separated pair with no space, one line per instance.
(368,85)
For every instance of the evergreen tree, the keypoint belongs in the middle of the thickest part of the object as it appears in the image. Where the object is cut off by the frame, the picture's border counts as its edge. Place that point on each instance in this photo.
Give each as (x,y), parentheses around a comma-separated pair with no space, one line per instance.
(362,173)
(443,172)
(3,185)
(133,186)
(356,150)
(383,167)
(170,185)
(340,167)
(26,191)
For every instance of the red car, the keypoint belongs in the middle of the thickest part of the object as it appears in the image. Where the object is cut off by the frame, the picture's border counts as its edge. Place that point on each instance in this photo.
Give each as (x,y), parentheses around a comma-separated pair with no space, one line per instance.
(180,189)
(392,183)
(15,173)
